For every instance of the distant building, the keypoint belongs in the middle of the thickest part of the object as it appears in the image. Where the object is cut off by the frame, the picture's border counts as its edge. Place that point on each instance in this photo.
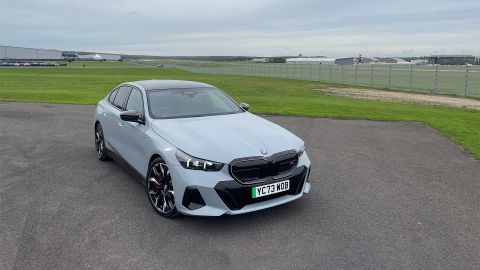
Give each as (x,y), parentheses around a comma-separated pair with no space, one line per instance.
(419,62)
(11,53)
(346,61)
(277,59)
(391,60)
(370,60)
(402,61)
(259,60)
(311,60)
(387,60)
(451,59)
(100,57)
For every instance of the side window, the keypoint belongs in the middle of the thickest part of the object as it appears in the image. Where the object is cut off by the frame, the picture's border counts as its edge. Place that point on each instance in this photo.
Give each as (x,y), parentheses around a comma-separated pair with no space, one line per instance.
(135,101)
(122,96)
(112,96)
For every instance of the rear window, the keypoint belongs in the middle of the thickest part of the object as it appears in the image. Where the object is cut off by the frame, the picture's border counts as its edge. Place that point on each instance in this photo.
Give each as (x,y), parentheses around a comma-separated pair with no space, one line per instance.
(122,96)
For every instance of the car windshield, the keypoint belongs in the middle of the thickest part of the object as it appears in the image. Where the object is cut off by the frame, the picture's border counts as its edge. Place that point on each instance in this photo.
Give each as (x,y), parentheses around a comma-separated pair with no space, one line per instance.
(178,103)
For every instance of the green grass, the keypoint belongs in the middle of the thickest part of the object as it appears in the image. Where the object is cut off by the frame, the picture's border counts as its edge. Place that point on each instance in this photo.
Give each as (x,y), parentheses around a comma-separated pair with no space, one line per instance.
(450,79)
(265,95)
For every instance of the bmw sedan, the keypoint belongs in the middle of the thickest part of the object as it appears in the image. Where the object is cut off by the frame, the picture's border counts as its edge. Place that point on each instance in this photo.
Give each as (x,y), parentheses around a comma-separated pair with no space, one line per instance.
(197,150)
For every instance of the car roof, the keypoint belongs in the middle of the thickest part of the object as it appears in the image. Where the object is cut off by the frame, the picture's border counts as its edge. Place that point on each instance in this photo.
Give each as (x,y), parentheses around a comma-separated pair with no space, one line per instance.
(169,84)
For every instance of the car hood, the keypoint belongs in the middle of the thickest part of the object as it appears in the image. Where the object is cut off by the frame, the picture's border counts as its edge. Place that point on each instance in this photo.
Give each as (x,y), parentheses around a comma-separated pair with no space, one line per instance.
(223,138)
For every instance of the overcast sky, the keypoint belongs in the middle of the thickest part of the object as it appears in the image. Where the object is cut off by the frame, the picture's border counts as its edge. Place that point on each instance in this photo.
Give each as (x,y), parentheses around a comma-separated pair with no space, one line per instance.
(245,27)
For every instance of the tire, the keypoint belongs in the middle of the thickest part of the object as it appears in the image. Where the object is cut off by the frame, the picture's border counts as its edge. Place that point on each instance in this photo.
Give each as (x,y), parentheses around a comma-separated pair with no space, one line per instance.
(160,189)
(100,143)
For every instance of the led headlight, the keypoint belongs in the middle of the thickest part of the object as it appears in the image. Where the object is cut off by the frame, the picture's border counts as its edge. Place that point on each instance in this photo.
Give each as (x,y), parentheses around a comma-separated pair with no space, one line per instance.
(301,150)
(193,163)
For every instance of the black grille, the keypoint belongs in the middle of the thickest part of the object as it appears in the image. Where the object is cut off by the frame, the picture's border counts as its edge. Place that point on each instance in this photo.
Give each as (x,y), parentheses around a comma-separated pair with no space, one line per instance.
(261,169)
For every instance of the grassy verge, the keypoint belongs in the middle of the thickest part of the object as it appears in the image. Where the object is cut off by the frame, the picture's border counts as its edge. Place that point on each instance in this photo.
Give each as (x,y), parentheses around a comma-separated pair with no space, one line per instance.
(265,95)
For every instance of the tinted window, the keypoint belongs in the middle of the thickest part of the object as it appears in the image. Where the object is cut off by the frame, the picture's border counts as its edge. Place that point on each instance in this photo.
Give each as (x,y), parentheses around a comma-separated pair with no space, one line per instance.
(175,103)
(122,96)
(135,101)
(112,95)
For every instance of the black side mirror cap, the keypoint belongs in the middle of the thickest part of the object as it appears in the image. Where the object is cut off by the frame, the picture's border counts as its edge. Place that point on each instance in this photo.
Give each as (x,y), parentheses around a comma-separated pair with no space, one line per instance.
(132,116)
(244,106)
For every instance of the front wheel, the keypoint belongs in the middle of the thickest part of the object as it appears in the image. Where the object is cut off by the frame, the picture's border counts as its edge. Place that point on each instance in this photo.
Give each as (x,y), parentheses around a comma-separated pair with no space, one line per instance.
(160,189)
(100,143)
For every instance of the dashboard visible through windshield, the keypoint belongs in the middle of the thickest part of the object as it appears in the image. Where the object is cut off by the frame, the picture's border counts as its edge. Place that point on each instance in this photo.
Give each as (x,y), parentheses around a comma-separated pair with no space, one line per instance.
(181,103)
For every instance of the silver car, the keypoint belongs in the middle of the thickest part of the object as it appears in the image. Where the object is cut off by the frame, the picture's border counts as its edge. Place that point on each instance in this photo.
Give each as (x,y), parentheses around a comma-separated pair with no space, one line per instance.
(197,150)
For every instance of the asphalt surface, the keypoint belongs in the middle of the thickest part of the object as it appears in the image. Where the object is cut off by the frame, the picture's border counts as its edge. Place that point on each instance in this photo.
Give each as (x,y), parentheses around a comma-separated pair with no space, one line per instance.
(385,195)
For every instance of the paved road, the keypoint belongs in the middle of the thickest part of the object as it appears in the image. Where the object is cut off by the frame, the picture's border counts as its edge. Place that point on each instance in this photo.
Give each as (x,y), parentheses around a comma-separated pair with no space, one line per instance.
(385,196)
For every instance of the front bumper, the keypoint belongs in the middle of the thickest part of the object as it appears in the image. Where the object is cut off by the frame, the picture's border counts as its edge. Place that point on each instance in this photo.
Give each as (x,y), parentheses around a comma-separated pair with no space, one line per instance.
(217,193)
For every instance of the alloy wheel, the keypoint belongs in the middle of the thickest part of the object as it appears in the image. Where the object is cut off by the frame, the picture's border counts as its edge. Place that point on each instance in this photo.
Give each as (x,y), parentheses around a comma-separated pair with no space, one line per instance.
(99,142)
(160,189)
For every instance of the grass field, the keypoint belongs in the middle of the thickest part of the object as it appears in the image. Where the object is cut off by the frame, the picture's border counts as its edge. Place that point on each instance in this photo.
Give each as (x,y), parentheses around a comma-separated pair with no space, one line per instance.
(264,94)
(450,79)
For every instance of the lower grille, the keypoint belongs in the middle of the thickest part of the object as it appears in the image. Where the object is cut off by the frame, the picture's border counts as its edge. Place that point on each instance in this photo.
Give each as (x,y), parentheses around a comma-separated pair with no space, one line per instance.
(236,195)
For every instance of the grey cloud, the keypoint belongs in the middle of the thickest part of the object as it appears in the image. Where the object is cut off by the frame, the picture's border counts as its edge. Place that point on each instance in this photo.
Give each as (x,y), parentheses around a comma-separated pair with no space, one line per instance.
(248,27)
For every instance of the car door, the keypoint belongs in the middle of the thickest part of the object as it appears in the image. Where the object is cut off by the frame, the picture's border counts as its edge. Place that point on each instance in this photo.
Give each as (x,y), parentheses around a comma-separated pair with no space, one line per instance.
(107,109)
(135,143)
(114,129)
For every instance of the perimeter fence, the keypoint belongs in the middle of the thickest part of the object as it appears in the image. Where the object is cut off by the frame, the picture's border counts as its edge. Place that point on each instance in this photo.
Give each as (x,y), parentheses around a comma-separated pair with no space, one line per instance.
(451,80)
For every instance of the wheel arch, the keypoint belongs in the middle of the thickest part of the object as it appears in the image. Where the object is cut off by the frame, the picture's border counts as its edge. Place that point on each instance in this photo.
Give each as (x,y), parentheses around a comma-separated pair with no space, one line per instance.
(153,157)
(96,123)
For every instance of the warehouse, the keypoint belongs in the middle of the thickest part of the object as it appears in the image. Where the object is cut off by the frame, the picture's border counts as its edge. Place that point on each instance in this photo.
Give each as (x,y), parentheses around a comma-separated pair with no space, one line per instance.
(451,59)
(8,53)
(346,61)
(311,60)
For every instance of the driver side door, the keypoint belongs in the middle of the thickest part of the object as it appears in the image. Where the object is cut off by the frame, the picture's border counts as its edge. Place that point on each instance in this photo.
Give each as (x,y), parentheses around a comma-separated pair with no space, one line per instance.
(135,144)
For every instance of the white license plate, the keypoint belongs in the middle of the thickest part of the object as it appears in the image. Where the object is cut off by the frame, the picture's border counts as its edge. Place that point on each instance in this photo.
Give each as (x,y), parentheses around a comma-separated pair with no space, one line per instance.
(270,189)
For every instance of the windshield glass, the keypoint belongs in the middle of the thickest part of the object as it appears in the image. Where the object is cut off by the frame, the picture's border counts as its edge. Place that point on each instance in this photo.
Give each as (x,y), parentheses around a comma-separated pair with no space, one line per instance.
(177,103)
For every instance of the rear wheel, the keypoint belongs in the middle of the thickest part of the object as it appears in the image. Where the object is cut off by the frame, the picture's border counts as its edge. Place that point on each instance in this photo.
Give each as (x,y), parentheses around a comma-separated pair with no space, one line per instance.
(160,189)
(100,143)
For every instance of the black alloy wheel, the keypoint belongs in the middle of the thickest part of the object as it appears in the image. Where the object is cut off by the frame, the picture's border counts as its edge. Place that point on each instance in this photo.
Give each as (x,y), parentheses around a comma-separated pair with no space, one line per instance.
(160,189)
(100,143)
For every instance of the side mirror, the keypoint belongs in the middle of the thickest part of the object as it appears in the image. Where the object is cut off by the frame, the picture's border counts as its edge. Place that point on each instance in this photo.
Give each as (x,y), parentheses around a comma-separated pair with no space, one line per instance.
(132,116)
(244,106)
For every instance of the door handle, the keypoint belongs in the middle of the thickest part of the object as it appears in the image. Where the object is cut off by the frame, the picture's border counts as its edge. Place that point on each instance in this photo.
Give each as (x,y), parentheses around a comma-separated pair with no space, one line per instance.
(120,124)
(105,114)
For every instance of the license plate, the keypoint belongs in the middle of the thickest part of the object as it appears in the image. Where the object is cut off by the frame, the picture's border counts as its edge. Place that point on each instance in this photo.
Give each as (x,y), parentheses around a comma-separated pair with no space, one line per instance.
(270,189)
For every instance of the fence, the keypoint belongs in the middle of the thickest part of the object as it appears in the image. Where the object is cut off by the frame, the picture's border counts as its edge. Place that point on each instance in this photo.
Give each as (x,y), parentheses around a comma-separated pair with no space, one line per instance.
(452,80)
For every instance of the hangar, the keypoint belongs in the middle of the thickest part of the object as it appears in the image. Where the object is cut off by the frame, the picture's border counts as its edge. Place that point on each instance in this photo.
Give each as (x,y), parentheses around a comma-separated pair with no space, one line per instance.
(452,59)
(311,60)
(21,53)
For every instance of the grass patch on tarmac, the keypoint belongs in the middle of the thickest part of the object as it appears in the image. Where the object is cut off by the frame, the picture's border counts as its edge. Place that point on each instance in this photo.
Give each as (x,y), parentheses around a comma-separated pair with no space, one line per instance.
(265,95)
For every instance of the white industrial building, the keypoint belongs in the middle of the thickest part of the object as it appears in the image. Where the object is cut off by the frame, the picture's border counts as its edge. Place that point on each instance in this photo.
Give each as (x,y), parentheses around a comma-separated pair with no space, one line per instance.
(19,53)
(311,60)
(345,60)
(259,60)
(100,57)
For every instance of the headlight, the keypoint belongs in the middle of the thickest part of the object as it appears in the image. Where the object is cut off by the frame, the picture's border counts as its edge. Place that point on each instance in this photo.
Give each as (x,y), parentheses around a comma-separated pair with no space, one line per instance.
(301,150)
(193,163)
